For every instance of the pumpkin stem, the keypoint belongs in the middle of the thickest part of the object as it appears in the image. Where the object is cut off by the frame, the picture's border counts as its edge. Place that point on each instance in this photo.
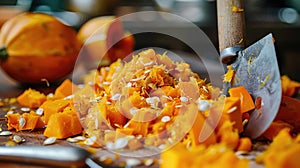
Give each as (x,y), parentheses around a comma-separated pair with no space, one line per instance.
(3,53)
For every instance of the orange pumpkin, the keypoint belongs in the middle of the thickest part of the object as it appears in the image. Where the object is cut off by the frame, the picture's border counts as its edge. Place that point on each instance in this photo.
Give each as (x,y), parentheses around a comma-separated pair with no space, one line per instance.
(37,46)
(104,40)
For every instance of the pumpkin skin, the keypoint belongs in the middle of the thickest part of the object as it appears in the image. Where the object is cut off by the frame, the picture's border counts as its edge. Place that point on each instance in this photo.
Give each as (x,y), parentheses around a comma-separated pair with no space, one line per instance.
(37,46)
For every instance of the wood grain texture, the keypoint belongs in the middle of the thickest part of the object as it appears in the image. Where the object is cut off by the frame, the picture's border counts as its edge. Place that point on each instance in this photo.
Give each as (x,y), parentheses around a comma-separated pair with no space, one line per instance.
(231,23)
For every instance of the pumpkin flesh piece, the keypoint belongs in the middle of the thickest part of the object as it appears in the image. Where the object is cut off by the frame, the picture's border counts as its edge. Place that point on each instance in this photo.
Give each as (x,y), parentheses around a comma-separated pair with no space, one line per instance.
(201,127)
(232,112)
(32,121)
(65,89)
(247,103)
(51,107)
(31,98)
(63,125)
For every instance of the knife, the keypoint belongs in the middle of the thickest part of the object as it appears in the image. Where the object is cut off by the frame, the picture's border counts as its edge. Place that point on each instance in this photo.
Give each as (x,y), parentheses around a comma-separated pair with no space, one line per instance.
(49,156)
(256,66)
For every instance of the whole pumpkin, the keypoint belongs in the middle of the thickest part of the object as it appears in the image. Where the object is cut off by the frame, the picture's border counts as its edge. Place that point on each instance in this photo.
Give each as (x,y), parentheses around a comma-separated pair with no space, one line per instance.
(36,46)
(104,40)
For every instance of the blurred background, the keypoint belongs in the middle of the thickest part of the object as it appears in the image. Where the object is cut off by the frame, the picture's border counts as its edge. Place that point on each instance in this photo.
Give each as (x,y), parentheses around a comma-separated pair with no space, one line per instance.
(280,17)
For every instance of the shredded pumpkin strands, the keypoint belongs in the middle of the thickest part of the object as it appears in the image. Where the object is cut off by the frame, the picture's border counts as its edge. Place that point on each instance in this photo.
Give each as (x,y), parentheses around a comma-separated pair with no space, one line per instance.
(149,97)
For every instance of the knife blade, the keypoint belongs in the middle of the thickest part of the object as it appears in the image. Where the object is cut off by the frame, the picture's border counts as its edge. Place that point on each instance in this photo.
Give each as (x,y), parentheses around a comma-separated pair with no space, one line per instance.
(256,67)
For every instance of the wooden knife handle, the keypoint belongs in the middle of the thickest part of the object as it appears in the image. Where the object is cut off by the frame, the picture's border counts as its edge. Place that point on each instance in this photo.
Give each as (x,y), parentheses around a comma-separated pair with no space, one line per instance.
(231,23)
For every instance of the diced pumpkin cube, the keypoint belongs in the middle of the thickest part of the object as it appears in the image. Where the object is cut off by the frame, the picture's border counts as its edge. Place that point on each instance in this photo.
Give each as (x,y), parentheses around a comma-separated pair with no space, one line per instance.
(275,128)
(245,144)
(63,125)
(26,121)
(122,132)
(189,89)
(65,89)
(213,156)
(32,121)
(31,98)
(171,91)
(140,122)
(176,157)
(232,112)
(202,128)
(111,114)
(53,106)
(137,101)
(13,121)
(247,103)
(289,112)
(284,151)
(289,87)
(168,110)
(227,135)
(226,109)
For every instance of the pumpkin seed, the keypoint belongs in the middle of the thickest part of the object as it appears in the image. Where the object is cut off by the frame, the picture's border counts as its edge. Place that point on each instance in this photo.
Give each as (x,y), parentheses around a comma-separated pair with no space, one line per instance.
(133,162)
(25,109)
(39,111)
(152,100)
(203,105)
(126,125)
(80,86)
(137,79)
(69,97)
(121,143)
(165,119)
(188,144)
(10,112)
(80,138)
(115,97)
(231,110)
(205,89)
(72,140)
(5,133)
(167,97)
(22,122)
(148,63)
(162,146)
(133,110)
(184,99)
(110,145)
(241,153)
(245,122)
(49,141)
(129,84)
(90,141)
(50,95)
(178,106)
(147,71)
(148,162)
(17,139)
